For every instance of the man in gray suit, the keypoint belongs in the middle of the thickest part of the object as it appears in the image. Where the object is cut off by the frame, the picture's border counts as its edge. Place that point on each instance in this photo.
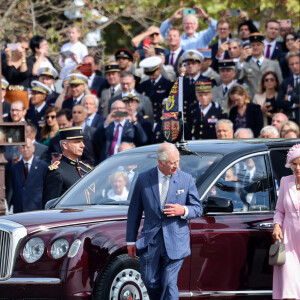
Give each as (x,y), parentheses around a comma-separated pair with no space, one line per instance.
(252,71)
(169,198)
(227,70)
(127,88)
(112,75)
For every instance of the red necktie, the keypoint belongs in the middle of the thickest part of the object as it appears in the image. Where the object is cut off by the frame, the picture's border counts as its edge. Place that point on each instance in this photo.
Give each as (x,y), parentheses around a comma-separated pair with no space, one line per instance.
(268,51)
(114,142)
(172,59)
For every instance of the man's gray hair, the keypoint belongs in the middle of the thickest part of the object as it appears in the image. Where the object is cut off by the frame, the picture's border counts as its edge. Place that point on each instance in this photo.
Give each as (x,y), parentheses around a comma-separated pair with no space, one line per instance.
(164,150)
(94,97)
(268,129)
(225,121)
(191,17)
(236,40)
(60,144)
(250,132)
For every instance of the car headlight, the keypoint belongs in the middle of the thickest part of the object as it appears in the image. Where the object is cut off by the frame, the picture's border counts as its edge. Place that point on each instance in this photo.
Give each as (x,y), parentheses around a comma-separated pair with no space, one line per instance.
(59,248)
(33,250)
(74,248)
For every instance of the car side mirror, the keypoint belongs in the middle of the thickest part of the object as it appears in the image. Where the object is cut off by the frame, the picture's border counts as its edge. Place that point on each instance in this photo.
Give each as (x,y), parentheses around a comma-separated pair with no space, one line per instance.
(49,204)
(218,204)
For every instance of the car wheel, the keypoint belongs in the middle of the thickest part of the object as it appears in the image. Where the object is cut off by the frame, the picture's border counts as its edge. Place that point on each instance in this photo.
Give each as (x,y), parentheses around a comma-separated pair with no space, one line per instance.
(121,280)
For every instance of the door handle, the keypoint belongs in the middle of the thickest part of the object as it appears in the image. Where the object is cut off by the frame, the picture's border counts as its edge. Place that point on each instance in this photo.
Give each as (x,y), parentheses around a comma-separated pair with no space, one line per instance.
(266,225)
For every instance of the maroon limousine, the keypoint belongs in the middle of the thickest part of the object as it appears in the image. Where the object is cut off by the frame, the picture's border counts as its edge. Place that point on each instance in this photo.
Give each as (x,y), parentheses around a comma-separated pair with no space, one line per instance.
(76,249)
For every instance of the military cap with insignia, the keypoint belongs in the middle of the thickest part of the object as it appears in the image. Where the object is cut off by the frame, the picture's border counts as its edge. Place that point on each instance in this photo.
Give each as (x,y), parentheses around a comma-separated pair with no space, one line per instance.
(159,50)
(112,66)
(151,64)
(71,133)
(131,97)
(226,64)
(77,78)
(256,37)
(192,55)
(47,71)
(206,52)
(124,53)
(203,86)
(37,86)
(4,84)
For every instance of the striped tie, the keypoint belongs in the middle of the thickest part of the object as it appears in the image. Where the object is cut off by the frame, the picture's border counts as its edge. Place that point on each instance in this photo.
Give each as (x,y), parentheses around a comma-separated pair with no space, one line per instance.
(164,191)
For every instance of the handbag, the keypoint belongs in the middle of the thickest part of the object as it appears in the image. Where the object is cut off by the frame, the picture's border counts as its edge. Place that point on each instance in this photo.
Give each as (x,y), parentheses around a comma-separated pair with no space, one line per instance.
(277,254)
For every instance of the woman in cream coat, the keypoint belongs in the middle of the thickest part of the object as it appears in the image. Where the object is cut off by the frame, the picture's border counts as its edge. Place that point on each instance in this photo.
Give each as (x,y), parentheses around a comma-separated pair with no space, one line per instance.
(286,278)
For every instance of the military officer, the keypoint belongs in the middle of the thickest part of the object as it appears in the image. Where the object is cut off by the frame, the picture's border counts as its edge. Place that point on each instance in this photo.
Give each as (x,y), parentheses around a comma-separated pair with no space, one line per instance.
(205,113)
(156,87)
(64,173)
(48,76)
(192,60)
(36,112)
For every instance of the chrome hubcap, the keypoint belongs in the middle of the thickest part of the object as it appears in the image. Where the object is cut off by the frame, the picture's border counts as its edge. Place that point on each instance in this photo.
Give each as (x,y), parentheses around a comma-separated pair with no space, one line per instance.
(128,285)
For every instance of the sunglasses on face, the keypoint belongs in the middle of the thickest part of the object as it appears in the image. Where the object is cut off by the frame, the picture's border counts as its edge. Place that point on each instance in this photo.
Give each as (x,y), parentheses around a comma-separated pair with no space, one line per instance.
(269,79)
(154,34)
(52,117)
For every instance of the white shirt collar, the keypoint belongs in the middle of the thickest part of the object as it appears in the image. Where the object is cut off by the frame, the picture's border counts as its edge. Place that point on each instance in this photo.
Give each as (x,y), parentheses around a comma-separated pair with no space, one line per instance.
(161,175)
(157,79)
(39,109)
(206,109)
(29,161)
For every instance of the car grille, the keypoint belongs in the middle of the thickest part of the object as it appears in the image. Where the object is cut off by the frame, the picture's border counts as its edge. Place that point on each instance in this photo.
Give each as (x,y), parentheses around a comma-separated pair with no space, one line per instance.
(11,235)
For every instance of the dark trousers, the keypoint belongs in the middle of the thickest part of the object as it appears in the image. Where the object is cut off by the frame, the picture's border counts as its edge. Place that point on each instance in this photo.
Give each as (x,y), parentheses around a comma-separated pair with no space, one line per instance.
(159,272)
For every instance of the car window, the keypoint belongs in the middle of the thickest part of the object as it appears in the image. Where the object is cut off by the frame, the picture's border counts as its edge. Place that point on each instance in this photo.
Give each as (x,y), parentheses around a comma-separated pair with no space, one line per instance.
(246,184)
(112,182)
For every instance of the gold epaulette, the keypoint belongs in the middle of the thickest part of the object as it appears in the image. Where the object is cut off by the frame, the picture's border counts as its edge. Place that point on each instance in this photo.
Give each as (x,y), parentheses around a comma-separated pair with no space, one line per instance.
(54,166)
(88,166)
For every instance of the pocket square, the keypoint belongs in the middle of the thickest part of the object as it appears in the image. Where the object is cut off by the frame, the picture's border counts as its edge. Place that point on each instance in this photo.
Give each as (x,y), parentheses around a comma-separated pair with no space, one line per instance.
(178,192)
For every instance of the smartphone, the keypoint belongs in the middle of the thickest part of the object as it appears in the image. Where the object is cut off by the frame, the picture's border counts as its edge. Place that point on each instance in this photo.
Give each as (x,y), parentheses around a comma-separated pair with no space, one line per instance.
(146,42)
(86,69)
(13,47)
(120,114)
(223,40)
(285,23)
(66,53)
(189,11)
(234,12)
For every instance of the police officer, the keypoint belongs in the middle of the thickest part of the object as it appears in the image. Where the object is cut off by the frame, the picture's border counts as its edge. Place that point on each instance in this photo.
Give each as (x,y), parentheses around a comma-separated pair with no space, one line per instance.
(156,87)
(205,113)
(132,103)
(64,173)
(36,112)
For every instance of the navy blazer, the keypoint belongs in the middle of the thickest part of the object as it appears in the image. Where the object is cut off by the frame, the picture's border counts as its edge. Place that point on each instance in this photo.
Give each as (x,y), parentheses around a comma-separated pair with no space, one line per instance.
(254,118)
(277,51)
(175,66)
(146,198)
(5,109)
(214,50)
(98,84)
(97,121)
(28,194)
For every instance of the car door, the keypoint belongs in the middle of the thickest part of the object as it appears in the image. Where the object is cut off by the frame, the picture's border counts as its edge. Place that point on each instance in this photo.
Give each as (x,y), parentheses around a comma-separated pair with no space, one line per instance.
(230,249)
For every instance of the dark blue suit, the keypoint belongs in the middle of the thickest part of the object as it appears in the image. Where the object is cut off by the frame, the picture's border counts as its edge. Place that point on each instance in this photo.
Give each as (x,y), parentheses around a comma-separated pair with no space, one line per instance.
(98,84)
(164,241)
(97,121)
(175,65)
(214,51)
(28,194)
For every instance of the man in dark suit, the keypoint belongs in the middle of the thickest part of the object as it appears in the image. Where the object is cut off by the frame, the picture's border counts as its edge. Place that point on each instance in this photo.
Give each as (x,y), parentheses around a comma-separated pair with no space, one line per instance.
(272,47)
(156,87)
(205,113)
(5,105)
(289,92)
(176,51)
(127,87)
(48,76)
(64,173)
(219,50)
(168,197)
(28,177)
(115,130)
(91,104)
(36,112)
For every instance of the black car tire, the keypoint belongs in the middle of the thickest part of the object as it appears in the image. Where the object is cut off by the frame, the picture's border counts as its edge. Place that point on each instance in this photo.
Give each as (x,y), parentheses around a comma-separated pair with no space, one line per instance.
(121,279)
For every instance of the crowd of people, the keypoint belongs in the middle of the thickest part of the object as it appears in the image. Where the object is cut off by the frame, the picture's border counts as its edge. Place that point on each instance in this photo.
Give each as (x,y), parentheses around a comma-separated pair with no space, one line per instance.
(238,87)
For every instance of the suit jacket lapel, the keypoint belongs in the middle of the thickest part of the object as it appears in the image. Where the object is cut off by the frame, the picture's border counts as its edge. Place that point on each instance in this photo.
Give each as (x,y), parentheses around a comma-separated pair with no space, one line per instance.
(154,185)
(293,192)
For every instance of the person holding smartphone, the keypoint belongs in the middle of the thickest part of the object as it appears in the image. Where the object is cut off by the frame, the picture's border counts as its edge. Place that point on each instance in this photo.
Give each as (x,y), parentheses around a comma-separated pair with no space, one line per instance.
(117,129)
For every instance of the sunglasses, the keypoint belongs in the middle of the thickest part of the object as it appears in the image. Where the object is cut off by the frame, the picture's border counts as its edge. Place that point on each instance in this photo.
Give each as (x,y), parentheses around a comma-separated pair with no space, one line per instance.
(154,34)
(52,117)
(269,79)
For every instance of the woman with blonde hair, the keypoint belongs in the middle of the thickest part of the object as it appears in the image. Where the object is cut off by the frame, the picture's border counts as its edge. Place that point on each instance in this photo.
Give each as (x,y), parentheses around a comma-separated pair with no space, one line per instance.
(118,183)
(243,113)
(50,128)
(266,98)
(289,125)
